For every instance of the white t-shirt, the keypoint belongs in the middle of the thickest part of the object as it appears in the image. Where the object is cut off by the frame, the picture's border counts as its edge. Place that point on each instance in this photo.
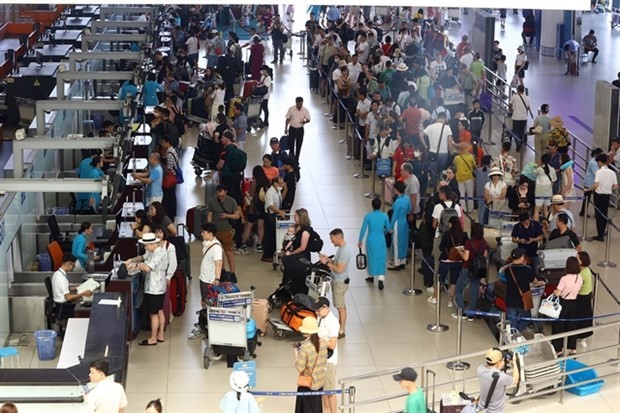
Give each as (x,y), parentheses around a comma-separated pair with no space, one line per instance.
(329,327)
(437,67)
(363,51)
(106,397)
(207,265)
(372,122)
(336,74)
(439,208)
(171,254)
(273,197)
(433,132)
(606,179)
(467,59)
(354,70)
(519,109)
(60,286)
(364,107)
(266,81)
(192,45)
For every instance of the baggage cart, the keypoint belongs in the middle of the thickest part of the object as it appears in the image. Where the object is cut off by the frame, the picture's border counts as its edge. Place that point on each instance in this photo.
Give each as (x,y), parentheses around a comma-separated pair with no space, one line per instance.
(225,329)
(319,283)
(615,18)
(539,368)
(453,16)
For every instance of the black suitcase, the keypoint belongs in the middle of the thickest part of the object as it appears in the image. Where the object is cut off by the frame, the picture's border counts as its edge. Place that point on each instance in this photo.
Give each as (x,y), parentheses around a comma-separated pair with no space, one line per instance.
(314,79)
(194,219)
(181,245)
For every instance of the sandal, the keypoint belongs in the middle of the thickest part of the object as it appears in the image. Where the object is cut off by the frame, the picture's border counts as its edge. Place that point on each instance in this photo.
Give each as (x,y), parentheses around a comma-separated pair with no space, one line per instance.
(145,342)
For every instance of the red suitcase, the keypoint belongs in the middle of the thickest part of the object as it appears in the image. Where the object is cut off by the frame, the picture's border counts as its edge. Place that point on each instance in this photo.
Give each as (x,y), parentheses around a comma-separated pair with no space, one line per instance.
(248,88)
(178,293)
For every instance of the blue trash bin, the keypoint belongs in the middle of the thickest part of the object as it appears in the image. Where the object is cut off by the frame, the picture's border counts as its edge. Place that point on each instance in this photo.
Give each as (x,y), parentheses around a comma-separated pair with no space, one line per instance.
(45,261)
(46,344)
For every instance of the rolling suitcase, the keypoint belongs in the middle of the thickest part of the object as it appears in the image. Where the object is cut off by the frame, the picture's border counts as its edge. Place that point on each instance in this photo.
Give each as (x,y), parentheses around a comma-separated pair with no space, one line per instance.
(554,259)
(210,186)
(194,218)
(260,314)
(486,102)
(388,187)
(181,245)
(178,293)
(248,88)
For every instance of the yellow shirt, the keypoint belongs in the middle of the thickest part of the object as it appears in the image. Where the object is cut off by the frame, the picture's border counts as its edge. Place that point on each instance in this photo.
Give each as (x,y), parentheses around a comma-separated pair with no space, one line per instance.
(465,166)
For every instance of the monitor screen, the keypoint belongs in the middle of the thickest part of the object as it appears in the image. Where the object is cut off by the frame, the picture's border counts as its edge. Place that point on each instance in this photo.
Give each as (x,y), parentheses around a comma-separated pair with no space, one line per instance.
(39,58)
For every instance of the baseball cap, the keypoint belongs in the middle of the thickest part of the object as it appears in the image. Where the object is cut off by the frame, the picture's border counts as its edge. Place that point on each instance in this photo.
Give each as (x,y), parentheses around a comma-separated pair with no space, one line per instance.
(494,355)
(273,140)
(321,302)
(517,253)
(407,373)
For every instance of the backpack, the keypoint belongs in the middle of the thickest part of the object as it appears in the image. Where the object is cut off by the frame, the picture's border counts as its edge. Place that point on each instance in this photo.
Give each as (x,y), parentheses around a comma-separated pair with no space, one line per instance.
(237,159)
(478,264)
(446,215)
(315,243)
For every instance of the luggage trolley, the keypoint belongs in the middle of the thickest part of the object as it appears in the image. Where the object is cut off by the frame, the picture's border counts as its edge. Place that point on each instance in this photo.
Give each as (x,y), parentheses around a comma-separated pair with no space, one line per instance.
(225,328)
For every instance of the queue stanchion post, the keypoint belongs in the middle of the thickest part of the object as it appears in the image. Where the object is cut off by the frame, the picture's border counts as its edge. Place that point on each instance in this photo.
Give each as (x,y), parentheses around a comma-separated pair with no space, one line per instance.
(372,193)
(458,365)
(490,133)
(616,362)
(382,194)
(346,128)
(595,291)
(351,399)
(412,291)
(584,236)
(437,327)
(361,174)
(607,263)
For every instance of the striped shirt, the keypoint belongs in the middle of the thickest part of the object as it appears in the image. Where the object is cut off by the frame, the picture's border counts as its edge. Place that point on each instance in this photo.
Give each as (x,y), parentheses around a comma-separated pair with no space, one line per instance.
(306,359)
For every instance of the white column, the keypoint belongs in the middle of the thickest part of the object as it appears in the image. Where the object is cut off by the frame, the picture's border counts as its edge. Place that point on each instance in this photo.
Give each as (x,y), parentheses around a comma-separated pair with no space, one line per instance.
(548,31)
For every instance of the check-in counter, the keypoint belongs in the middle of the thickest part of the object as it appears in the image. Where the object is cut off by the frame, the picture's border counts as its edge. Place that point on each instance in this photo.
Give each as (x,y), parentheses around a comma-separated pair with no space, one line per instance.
(62,389)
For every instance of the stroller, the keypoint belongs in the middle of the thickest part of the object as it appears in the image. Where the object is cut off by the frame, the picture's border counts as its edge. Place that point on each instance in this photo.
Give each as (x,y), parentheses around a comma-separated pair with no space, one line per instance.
(294,280)
(205,155)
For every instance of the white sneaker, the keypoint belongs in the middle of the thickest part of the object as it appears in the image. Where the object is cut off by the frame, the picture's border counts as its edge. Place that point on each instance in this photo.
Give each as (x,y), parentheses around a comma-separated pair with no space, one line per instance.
(450,304)
(583,344)
(456,316)
(430,290)
(196,333)
(431,300)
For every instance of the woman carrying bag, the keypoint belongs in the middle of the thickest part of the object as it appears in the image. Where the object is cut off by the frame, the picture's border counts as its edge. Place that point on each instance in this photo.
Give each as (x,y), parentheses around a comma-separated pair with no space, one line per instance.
(568,289)
(377,224)
(584,297)
(310,362)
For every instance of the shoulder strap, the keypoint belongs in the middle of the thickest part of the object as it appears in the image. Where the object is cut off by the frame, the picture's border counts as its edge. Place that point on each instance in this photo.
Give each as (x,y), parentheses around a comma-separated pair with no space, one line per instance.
(515,279)
(526,106)
(491,390)
(211,246)
(468,165)
(440,138)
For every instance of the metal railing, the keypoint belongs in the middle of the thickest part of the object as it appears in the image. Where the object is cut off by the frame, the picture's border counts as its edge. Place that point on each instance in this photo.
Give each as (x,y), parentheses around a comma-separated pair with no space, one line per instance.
(426,366)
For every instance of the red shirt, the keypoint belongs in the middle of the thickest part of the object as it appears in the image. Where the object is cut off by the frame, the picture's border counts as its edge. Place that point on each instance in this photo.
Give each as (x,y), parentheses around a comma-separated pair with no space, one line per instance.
(401,156)
(411,117)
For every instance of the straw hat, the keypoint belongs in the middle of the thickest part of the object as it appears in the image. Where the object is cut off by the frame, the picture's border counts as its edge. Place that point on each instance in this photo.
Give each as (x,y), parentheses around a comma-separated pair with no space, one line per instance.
(309,325)
(556,122)
(496,171)
(148,238)
(402,67)
(557,200)
(342,63)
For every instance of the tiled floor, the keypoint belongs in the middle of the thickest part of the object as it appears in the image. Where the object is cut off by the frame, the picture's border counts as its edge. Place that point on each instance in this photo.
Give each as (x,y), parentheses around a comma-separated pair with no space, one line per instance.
(385,328)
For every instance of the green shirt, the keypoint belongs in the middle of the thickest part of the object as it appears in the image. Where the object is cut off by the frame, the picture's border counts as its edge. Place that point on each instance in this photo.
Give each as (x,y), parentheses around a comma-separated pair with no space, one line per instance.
(416,402)
(586,287)
(477,68)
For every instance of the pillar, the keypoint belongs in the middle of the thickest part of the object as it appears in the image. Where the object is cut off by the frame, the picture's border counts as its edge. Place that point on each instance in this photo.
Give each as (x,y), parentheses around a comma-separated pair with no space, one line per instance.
(549,32)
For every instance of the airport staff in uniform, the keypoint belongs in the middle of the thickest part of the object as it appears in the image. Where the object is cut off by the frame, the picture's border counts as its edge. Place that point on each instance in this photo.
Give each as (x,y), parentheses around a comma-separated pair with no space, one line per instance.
(605,181)
(62,292)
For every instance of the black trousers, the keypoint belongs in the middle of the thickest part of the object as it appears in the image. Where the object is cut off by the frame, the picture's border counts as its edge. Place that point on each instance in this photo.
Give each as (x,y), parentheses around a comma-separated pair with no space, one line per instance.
(308,404)
(518,128)
(169,202)
(569,310)
(587,199)
(594,50)
(269,240)
(296,138)
(264,107)
(601,202)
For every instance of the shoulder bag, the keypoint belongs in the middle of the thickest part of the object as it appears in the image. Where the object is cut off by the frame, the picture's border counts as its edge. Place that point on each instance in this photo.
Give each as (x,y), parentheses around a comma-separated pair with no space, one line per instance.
(383,165)
(551,307)
(453,253)
(473,171)
(475,407)
(526,106)
(526,297)
(432,156)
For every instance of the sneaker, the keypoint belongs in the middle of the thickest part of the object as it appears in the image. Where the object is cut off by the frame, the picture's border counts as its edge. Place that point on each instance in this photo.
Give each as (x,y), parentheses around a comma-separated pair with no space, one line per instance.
(196,333)
(381,285)
(432,300)
(470,319)
(244,251)
(430,290)
(258,248)
(450,304)
(583,344)
(456,316)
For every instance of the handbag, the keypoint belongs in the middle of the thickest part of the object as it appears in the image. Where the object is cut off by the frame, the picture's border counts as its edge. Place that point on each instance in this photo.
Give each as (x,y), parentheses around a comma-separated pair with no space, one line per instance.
(536,130)
(551,307)
(361,261)
(453,253)
(383,167)
(260,90)
(169,180)
(515,81)
(178,172)
(526,297)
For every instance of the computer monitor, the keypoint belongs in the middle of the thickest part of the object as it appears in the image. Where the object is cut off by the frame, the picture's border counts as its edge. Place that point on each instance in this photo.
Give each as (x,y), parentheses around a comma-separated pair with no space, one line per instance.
(39,58)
